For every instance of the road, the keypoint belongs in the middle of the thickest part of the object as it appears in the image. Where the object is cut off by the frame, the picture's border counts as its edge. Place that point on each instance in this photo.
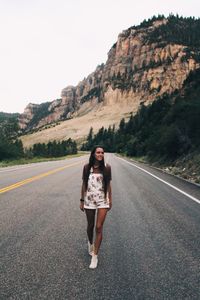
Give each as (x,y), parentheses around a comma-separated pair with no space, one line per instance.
(151,241)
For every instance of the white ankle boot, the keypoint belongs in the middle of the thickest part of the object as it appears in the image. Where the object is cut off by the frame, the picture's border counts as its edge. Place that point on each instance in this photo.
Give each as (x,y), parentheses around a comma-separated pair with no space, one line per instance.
(94,261)
(90,248)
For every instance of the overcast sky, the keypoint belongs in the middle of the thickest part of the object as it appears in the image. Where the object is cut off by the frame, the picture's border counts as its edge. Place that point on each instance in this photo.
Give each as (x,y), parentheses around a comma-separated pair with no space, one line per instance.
(46,45)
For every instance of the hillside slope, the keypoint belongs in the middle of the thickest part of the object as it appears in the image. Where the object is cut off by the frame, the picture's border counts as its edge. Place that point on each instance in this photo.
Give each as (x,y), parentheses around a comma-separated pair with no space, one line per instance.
(78,128)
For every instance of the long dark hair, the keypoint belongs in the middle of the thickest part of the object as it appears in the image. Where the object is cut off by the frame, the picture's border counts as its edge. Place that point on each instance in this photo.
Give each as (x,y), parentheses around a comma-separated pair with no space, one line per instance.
(102,168)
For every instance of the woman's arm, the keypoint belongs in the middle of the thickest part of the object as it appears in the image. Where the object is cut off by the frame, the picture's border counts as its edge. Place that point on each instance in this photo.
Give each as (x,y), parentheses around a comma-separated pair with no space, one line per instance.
(82,196)
(110,195)
(83,188)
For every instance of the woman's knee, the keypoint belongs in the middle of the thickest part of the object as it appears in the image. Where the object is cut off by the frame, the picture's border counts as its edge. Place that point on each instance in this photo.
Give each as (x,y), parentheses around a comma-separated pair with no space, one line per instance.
(99,228)
(90,226)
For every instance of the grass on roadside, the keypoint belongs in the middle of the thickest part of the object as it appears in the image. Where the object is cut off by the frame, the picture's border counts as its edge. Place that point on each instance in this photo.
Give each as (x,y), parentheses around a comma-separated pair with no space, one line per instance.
(22,161)
(186,167)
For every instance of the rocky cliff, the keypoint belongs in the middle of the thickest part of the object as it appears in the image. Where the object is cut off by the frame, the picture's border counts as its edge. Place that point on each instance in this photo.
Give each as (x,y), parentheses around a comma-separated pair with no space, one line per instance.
(146,61)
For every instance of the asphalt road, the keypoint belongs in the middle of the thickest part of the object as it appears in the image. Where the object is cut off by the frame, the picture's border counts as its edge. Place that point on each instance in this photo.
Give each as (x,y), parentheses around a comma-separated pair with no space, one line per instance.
(151,242)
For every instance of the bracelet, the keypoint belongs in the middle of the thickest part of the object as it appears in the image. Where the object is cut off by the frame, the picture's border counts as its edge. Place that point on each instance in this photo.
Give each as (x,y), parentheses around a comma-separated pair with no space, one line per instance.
(82,200)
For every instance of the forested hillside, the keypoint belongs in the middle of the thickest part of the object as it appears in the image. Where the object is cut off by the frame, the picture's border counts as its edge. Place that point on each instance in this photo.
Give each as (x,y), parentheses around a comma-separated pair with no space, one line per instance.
(164,131)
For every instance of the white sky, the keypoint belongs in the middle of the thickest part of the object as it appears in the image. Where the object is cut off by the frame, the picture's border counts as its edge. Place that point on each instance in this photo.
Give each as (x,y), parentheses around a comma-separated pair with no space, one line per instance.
(46,45)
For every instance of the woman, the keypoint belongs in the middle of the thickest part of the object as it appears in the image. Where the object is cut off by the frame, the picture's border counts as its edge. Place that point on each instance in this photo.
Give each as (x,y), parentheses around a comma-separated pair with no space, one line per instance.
(96,195)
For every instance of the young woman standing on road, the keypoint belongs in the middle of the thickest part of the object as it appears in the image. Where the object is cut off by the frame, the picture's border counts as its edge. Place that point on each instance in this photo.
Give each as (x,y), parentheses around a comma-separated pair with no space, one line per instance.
(96,195)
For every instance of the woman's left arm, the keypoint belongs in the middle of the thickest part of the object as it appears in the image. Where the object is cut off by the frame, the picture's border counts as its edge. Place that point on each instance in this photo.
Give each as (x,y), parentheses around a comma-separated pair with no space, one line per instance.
(110,195)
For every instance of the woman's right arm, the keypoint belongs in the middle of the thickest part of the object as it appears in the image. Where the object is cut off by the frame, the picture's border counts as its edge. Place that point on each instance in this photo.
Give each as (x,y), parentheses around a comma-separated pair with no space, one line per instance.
(83,187)
(82,196)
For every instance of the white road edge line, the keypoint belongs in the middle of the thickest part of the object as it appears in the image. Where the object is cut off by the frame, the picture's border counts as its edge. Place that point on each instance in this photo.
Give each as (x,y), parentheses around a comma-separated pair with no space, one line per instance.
(167,183)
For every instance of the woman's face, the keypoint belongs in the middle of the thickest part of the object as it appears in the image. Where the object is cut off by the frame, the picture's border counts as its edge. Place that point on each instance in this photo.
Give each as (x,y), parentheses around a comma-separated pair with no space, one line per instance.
(99,154)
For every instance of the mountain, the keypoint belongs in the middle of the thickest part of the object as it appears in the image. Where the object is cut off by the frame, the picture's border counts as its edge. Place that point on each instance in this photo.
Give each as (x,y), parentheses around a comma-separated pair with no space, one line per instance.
(146,62)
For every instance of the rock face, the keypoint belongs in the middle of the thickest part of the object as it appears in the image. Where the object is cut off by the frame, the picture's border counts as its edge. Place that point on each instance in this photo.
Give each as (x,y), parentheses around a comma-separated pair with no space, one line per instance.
(142,65)
(27,116)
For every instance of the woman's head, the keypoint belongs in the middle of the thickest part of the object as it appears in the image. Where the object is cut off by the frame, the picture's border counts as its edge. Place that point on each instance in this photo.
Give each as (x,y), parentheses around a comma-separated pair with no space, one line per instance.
(97,155)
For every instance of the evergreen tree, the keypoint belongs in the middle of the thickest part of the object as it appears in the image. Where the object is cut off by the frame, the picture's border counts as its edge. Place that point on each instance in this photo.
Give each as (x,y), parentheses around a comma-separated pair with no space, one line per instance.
(89,138)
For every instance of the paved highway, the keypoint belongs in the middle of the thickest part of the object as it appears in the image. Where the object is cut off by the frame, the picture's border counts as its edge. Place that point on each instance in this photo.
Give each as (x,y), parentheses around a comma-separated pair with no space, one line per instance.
(151,243)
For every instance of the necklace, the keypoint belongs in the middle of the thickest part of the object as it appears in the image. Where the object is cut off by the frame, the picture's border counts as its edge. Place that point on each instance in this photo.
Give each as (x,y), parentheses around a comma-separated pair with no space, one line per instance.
(95,167)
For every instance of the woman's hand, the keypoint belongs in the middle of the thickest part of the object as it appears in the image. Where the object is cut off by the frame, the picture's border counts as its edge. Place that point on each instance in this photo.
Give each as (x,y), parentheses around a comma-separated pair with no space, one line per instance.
(82,205)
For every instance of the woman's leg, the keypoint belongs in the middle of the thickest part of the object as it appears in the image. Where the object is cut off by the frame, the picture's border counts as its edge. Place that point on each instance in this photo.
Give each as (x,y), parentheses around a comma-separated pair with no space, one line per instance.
(101,215)
(90,214)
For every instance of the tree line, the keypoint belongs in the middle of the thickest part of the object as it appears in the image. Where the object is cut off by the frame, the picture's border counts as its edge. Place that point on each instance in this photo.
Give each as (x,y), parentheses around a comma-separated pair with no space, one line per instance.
(14,149)
(178,30)
(53,149)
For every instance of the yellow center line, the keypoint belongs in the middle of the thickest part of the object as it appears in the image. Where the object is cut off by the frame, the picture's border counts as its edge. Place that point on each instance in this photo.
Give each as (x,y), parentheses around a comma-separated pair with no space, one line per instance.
(28,180)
